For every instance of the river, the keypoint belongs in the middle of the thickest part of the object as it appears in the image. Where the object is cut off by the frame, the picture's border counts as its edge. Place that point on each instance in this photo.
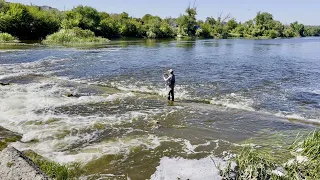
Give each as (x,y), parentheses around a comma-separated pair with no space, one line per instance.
(228,93)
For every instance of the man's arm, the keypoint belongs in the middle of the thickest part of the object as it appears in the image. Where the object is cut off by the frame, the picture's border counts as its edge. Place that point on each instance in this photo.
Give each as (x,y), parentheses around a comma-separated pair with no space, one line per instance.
(168,78)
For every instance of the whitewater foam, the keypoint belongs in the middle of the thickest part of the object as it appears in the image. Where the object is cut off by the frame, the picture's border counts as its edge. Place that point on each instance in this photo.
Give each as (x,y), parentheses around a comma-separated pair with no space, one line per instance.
(180,91)
(39,67)
(94,151)
(180,168)
(234,101)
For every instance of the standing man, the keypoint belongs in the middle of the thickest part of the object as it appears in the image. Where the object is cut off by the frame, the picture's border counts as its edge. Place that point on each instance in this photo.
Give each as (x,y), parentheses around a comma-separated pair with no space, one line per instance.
(170,80)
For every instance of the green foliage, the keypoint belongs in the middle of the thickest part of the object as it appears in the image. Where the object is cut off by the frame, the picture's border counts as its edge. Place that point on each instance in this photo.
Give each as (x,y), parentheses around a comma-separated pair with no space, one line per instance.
(52,169)
(44,23)
(289,32)
(211,21)
(155,27)
(311,146)
(32,22)
(3,6)
(297,28)
(238,31)
(166,30)
(231,25)
(74,36)
(56,170)
(205,30)
(3,145)
(27,22)
(5,37)
(109,27)
(308,169)
(128,28)
(187,23)
(19,21)
(88,17)
(303,170)
(71,20)
(256,164)
(294,30)
(250,164)
(273,34)
(312,31)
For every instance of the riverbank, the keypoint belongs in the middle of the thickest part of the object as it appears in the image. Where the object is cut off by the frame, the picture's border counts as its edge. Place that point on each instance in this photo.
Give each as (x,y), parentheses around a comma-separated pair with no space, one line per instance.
(15,165)
(27,164)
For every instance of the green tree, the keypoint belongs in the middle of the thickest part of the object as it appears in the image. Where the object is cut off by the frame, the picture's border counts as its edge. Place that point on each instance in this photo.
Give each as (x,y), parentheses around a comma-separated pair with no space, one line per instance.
(18,21)
(211,21)
(263,23)
(205,30)
(44,23)
(109,27)
(238,31)
(263,19)
(88,17)
(279,27)
(146,18)
(231,25)
(297,28)
(187,23)
(128,28)
(312,31)
(166,30)
(289,32)
(3,6)
(124,16)
(220,29)
(104,15)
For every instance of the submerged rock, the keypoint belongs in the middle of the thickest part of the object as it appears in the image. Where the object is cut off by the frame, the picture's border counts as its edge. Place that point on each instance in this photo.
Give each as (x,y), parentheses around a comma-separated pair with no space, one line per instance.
(73,95)
(4,84)
(7,136)
(15,165)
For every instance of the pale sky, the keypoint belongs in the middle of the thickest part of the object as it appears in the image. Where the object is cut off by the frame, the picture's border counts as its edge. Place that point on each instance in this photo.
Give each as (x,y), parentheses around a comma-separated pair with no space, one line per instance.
(286,11)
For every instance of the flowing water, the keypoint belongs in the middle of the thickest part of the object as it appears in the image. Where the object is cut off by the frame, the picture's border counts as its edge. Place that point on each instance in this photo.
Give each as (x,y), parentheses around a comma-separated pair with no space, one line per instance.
(120,125)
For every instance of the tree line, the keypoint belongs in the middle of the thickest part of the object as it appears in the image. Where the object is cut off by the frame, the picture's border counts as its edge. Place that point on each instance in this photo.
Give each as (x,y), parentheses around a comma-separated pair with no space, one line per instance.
(32,23)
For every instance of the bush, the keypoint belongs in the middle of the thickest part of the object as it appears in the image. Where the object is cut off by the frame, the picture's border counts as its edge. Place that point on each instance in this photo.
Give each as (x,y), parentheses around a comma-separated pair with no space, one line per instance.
(5,37)
(74,36)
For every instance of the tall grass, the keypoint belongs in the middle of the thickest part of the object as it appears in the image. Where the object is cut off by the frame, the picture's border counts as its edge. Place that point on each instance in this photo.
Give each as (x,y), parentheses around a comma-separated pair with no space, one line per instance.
(309,168)
(6,37)
(252,163)
(55,170)
(74,36)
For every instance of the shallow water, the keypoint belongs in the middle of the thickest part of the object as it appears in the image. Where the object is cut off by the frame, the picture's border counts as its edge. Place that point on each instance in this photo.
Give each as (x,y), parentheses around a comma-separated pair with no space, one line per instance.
(227,92)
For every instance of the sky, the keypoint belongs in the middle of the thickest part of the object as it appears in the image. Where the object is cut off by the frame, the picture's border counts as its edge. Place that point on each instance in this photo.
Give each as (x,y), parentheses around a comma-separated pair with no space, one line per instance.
(286,11)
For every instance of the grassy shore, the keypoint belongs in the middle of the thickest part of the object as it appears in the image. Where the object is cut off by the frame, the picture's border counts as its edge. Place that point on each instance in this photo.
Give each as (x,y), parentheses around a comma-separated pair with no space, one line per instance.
(252,163)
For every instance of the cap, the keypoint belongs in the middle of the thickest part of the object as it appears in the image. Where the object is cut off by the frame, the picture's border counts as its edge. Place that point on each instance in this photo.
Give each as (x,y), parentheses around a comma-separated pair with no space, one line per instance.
(170,71)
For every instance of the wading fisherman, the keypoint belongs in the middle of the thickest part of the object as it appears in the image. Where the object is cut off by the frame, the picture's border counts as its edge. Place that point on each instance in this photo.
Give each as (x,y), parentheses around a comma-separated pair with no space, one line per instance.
(170,80)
